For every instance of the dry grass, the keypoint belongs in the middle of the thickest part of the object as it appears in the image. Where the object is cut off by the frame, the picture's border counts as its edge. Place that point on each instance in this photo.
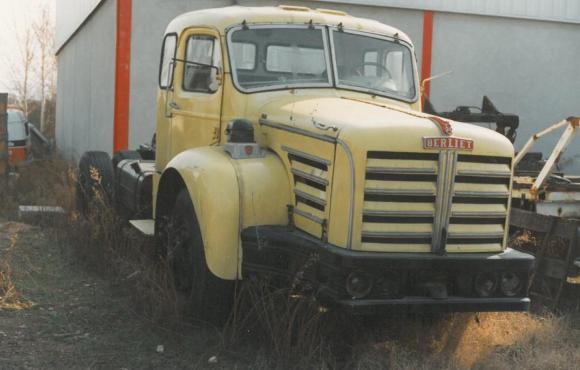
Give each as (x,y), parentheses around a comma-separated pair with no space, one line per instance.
(273,328)
(10,297)
(550,342)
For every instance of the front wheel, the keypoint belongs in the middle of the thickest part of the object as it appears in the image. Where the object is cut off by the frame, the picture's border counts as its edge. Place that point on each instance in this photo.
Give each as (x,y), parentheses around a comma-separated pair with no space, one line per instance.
(208,297)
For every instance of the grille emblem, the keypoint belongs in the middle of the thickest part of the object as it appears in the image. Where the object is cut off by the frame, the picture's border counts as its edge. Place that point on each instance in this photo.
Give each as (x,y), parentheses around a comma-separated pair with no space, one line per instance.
(448,143)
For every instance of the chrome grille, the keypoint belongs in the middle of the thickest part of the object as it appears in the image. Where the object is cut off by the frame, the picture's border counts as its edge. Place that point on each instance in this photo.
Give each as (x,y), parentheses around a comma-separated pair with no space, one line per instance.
(422,202)
(399,201)
(310,174)
(480,202)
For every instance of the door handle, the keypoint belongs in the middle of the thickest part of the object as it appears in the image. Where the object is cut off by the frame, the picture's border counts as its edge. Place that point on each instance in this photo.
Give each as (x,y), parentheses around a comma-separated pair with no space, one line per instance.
(174,105)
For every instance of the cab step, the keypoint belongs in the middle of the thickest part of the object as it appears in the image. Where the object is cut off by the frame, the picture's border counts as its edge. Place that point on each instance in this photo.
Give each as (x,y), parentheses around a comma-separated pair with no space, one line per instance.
(145,227)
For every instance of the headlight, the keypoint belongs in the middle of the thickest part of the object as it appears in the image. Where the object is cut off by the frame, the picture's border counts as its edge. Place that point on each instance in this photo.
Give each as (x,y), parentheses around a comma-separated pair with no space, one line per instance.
(485,284)
(510,284)
(359,284)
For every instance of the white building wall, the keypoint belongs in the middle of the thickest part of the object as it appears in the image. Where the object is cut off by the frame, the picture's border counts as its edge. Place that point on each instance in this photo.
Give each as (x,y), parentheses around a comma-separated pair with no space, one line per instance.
(70,14)
(86,86)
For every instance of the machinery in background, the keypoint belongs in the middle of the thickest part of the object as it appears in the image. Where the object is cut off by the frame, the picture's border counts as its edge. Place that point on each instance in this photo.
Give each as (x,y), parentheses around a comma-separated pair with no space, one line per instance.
(486,116)
(538,185)
(546,217)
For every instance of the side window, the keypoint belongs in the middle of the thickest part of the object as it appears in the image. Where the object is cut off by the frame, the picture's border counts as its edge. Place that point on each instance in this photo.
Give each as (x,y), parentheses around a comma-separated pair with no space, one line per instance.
(199,71)
(166,66)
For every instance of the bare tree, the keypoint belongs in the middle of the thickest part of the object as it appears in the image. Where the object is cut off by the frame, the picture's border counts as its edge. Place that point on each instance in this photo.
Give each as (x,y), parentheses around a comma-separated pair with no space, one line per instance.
(43,29)
(33,69)
(21,69)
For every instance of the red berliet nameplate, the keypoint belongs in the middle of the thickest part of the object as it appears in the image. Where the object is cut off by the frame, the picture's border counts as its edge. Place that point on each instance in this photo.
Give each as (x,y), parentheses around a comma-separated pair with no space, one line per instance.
(447,143)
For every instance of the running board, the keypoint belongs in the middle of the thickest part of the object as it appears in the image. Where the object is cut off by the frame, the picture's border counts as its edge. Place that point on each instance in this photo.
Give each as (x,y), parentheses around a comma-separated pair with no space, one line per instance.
(145,227)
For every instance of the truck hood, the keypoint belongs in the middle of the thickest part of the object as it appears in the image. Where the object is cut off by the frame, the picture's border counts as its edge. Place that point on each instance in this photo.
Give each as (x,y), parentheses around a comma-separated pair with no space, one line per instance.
(368,124)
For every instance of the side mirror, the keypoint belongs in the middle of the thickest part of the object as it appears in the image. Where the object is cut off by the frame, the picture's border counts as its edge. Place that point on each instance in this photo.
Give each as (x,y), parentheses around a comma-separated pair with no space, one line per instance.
(215,79)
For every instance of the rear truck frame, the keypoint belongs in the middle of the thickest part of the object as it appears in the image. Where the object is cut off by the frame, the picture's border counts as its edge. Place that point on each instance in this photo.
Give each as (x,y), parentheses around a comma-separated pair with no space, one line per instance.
(325,171)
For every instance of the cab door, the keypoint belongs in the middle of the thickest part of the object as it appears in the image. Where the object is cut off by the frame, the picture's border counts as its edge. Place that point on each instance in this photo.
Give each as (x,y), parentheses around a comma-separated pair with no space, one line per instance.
(195,104)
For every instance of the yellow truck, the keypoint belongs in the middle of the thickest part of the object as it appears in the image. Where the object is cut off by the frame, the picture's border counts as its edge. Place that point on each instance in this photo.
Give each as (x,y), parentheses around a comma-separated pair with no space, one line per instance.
(291,141)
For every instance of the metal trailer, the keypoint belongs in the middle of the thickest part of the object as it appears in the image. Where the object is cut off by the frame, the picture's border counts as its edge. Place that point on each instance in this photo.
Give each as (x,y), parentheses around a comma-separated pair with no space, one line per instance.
(557,252)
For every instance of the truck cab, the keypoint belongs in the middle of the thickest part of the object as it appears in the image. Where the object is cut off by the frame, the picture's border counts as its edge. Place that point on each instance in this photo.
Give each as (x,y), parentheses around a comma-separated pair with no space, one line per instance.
(291,141)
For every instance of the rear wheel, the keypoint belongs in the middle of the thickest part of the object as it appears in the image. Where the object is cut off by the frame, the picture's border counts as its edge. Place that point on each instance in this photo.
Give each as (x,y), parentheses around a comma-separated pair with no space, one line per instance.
(95,181)
(208,297)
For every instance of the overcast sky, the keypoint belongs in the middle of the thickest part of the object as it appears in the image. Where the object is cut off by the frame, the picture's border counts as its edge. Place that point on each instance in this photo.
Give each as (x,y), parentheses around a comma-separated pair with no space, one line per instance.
(15,17)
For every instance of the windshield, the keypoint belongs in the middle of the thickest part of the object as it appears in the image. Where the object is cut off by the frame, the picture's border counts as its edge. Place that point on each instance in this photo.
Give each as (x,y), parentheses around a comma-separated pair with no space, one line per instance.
(265,58)
(373,64)
(275,57)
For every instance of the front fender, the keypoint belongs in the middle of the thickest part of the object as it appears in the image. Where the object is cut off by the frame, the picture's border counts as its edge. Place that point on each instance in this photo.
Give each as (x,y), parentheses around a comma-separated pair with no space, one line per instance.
(229,195)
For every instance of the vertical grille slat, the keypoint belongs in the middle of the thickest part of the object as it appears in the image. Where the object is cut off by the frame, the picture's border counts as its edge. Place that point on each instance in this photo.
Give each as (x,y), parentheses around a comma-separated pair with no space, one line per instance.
(424,201)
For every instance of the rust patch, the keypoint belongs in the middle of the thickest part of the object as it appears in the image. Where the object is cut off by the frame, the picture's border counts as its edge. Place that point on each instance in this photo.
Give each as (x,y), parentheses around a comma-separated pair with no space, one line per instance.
(574,121)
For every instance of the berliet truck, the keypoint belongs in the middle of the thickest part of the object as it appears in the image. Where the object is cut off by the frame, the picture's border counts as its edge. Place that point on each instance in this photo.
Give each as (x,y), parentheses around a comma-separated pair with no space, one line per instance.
(292,140)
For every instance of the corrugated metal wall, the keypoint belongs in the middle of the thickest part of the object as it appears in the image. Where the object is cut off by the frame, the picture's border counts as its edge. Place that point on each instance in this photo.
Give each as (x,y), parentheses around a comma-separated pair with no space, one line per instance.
(86,86)
(552,10)
(70,14)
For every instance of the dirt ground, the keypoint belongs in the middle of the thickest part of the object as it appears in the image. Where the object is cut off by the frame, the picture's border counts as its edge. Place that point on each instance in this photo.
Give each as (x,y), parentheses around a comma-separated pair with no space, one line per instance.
(82,296)
(64,317)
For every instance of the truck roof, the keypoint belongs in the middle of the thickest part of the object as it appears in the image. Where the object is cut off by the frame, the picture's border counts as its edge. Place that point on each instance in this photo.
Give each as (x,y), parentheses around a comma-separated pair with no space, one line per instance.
(223,18)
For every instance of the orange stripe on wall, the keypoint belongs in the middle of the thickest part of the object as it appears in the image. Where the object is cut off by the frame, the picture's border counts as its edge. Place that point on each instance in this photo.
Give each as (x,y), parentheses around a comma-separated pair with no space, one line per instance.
(426,54)
(122,75)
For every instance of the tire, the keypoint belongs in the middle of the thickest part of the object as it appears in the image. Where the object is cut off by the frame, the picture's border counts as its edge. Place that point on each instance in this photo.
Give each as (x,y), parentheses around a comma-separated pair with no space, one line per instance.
(124,154)
(206,296)
(96,180)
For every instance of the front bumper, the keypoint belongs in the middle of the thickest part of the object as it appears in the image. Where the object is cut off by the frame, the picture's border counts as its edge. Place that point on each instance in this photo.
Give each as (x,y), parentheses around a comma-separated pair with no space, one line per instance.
(421,305)
(409,278)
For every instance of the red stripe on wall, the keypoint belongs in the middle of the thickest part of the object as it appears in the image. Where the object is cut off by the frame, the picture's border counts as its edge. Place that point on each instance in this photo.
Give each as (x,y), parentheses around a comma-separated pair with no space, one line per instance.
(426,55)
(122,75)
